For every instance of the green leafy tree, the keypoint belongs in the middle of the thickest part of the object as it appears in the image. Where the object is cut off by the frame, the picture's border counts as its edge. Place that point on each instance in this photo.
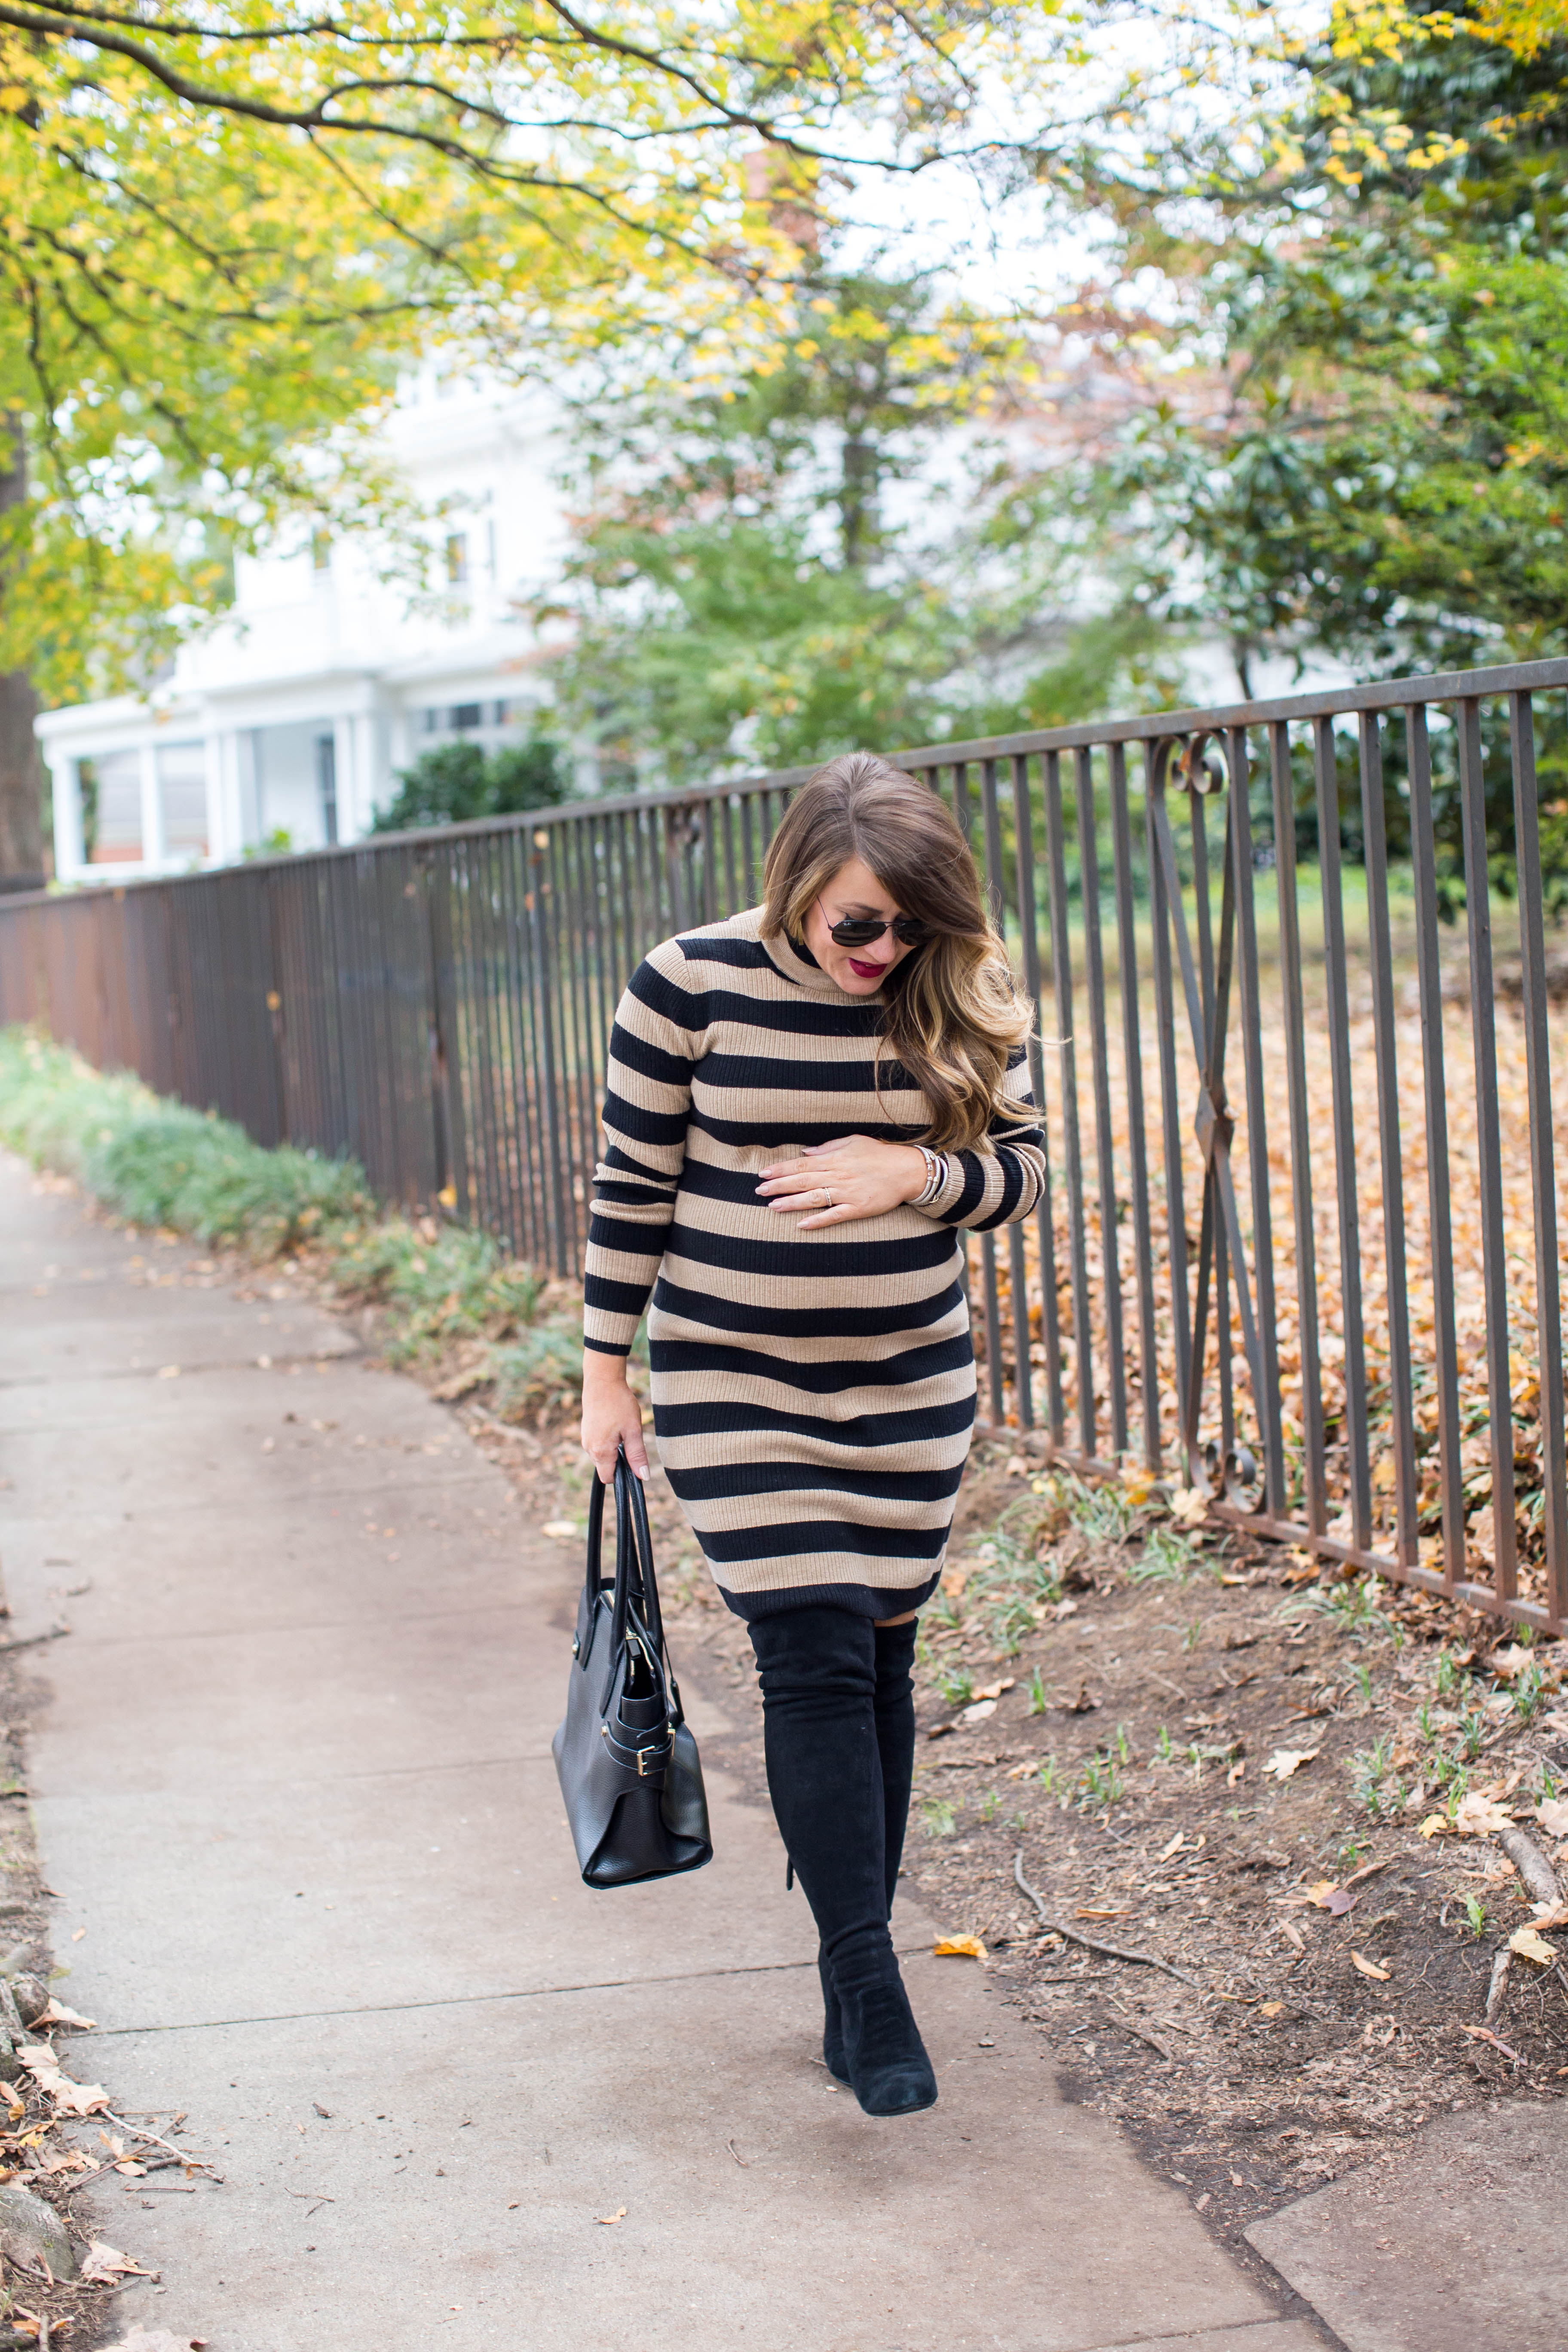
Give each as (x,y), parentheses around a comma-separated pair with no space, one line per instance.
(225,227)
(1366,454)
(830,549)
(453,783)
(1370,453)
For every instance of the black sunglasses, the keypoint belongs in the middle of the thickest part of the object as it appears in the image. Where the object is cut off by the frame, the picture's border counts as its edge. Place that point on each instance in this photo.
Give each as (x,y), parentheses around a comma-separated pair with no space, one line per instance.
(859,930)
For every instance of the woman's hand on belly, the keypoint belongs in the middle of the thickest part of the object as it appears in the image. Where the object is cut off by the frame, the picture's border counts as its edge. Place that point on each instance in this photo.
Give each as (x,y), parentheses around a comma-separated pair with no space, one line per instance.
(837,1184)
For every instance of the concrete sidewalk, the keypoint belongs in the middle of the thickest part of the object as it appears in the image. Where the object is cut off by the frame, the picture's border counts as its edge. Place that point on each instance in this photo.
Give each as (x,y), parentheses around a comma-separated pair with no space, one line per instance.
(295,1785)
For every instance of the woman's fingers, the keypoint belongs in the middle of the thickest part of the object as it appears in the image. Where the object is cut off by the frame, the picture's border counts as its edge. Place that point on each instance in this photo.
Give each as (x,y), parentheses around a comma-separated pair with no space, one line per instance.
(801,1180)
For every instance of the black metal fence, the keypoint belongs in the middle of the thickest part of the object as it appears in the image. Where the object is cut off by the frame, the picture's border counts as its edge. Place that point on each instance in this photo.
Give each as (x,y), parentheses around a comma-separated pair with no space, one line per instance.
(1330,1305)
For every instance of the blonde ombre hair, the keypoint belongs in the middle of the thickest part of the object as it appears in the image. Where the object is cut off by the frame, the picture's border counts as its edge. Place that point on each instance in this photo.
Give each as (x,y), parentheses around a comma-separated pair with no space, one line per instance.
(954,1012)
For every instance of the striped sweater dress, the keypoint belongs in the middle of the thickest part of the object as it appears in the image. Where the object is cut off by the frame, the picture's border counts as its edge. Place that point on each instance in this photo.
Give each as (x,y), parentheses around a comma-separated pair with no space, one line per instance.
(813,1392)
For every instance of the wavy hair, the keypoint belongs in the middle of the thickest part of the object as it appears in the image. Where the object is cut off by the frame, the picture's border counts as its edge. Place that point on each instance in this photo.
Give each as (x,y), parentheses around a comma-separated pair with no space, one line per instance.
(954,1012)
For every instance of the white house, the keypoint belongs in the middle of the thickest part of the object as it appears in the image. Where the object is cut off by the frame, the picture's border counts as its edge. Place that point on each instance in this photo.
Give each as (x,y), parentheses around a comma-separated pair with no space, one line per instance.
(294,716)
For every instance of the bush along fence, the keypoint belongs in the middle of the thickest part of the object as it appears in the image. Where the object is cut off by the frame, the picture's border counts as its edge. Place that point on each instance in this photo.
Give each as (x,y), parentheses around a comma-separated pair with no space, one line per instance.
(1300,1249)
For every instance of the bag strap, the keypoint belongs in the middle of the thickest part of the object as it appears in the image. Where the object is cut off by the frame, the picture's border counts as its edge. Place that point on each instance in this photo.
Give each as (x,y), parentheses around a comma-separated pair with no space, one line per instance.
(632,1503)
(631,1511)
(636,1613)
(593,1580)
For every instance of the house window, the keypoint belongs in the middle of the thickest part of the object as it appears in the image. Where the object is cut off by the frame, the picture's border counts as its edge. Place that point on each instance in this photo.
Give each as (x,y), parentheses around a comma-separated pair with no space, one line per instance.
(457,557)
(467,715)
(183,783)
(117,829)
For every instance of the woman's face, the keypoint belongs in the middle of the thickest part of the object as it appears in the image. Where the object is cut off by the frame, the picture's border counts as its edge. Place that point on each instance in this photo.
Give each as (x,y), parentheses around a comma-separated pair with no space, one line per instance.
(854,892)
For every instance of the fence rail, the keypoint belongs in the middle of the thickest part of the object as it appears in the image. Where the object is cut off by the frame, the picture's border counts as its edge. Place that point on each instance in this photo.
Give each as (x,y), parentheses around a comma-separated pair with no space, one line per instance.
(1359,1348)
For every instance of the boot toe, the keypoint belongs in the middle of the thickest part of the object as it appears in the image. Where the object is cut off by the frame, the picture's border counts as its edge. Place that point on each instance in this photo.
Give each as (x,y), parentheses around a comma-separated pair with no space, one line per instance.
(897,2090)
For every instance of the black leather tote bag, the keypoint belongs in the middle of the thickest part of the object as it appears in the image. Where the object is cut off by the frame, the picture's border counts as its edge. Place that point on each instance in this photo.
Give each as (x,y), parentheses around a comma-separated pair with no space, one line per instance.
(629,1769)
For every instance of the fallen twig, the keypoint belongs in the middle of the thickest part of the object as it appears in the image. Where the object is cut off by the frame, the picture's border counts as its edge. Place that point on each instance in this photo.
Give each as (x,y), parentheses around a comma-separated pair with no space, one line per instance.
(1143,2031)
(1531,1865)
(180,2155)
(1485,2034)
(1107,1951)
(1501,1963)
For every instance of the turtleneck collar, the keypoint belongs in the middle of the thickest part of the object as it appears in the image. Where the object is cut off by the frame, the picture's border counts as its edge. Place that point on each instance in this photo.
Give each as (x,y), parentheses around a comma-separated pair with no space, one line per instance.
(797,963)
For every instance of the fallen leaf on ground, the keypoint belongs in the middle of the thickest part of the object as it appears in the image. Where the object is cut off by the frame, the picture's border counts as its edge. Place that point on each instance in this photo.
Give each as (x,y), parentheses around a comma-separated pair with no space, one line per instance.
(1552,1814)
(104,2264)
(1480,1816)
(1531,1945)
(1093,1912)
(1174,1847)
(1189,1505)
(608,2221)
(978,1712)
(1270,2008)
(1335,1900)
(994,1690)
(58,2014)
(70,2098)
(1550,1914)
(1510,1660)
(561,1530)
(1083,1703)
(1285,1760)
(1293,1934)
(1434,1825)
(1369,1967)
(959,1947)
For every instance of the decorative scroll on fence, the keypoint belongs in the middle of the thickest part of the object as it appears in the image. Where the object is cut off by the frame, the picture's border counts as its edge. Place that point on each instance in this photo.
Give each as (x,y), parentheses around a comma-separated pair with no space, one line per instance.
(1300,1244)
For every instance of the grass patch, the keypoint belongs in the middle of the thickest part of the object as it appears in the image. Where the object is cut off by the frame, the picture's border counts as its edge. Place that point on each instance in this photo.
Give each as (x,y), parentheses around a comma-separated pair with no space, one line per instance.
(159,1164)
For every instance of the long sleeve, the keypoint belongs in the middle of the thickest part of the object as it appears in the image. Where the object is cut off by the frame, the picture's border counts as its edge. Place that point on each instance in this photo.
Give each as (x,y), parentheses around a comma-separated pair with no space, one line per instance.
(648,1104)
(1002,1183)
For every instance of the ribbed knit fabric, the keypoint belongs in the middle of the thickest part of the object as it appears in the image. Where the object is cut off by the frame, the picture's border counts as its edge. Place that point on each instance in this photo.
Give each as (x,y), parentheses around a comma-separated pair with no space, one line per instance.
(813,1392)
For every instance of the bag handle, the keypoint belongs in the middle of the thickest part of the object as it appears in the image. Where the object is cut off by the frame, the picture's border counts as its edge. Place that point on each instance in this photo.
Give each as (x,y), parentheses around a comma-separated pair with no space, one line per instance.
(633,1502)
(594,1581)
(641,1616)
(631,1506)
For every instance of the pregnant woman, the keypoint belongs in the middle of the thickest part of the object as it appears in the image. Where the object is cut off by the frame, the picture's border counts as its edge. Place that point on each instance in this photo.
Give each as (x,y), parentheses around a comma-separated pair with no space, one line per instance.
(804,1105)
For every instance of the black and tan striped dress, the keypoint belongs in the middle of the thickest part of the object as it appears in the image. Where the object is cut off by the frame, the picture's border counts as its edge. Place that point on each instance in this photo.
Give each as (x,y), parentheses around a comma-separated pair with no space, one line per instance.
(813,1392)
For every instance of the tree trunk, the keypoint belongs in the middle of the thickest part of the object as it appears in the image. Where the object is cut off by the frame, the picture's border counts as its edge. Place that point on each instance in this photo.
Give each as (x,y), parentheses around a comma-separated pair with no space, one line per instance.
(21,769)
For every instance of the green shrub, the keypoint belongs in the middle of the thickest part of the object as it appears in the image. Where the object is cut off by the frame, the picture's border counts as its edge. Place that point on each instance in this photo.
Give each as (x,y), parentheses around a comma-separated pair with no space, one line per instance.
(453,783)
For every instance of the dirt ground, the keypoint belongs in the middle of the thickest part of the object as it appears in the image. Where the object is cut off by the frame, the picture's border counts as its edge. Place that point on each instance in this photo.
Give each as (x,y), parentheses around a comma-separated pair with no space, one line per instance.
(1197,1751)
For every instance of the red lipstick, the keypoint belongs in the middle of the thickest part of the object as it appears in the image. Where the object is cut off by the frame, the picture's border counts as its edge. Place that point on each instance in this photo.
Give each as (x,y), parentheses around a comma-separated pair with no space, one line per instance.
(867,971)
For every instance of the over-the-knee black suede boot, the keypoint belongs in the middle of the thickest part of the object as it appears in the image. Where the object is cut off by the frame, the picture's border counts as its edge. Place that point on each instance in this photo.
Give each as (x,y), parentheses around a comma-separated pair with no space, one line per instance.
(825,1776)
(894,1702)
